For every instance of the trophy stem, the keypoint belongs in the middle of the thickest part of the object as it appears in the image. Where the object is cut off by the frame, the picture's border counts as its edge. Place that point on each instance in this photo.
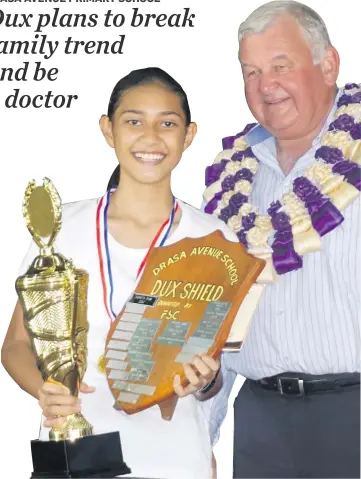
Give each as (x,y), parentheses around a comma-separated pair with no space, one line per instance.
(53,296)
(74,427)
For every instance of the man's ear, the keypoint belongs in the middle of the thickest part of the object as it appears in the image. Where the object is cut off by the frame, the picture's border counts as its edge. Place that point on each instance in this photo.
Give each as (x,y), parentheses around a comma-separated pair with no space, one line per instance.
(191,133)
(330,65)
(107,129)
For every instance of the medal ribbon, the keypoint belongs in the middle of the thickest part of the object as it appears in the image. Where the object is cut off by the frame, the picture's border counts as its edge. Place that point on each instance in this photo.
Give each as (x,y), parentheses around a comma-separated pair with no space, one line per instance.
(104,258)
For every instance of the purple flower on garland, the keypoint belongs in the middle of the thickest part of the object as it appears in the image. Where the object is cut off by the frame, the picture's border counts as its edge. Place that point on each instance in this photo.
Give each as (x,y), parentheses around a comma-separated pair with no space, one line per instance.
(227,142)
(237,201)
(345,100)
(244,174)
(213,172)
(285,236)
(274,207)
(351,171)
(356,98)
(228,183)
(305,190)
(285,258)
(280,221)
(226,213)
(356,132)
(249,153)
(343,123)
(246,130)
(324,215)
(213,203)
(350,86)
(329,154)
(242,236)
(344,167)
(241,154)
(248,221)
(237,156)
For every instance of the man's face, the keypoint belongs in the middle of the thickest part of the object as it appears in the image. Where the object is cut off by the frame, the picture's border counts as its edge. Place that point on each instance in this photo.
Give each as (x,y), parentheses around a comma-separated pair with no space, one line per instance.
(285,91)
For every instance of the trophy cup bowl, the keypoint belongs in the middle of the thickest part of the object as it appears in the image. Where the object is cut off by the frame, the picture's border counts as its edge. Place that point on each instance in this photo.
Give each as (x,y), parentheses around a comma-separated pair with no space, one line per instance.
(53,296)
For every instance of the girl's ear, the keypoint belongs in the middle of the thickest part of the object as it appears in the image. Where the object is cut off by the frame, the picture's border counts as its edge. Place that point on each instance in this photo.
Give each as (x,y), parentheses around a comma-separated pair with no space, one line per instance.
(107,130)
(191,133)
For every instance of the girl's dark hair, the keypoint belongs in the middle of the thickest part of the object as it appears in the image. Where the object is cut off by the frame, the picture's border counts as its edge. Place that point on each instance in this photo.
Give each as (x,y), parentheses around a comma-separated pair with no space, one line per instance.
(144,76)
(114,179)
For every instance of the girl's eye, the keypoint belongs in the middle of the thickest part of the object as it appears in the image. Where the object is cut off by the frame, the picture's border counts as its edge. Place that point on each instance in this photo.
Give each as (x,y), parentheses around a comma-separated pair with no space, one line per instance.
(134,122)
(168,124)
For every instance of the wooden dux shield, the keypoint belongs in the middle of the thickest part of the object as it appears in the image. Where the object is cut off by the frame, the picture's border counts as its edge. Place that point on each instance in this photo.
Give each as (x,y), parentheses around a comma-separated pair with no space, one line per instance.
(184,304)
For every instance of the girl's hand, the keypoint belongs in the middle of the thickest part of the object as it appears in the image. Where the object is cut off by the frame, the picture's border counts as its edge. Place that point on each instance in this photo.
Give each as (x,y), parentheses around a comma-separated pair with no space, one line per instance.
(84,388)
(56,402)
(214,467)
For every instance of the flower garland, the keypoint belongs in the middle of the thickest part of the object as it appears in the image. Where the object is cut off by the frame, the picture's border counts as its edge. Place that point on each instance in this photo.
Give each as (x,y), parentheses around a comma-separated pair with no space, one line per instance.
(306,213)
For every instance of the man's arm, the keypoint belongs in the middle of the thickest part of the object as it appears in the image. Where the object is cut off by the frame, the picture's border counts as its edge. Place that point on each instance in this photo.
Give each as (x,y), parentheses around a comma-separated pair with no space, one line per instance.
(216,407)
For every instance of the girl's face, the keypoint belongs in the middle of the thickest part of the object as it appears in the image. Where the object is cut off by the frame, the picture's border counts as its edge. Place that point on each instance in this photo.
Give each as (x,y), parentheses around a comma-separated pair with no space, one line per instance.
(148,132)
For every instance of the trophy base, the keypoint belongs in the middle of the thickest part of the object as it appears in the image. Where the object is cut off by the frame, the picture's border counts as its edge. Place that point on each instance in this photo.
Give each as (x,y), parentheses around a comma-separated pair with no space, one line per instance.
(92,456)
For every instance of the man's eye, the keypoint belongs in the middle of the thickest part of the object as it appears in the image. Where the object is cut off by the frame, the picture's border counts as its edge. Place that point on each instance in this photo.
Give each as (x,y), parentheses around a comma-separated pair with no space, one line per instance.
(134,122)
(253,74)
(280,68)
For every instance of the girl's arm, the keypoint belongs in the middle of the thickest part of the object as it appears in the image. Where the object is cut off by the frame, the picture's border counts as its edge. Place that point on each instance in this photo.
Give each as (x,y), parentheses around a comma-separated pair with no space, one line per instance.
(17,356)
(19,361)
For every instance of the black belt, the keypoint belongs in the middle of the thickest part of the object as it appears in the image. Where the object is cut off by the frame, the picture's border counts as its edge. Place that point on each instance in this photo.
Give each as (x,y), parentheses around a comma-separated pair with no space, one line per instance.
(293,385)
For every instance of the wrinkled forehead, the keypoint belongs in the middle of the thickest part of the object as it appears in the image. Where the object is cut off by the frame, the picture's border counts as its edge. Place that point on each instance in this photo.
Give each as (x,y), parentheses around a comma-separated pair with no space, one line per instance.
(283,38)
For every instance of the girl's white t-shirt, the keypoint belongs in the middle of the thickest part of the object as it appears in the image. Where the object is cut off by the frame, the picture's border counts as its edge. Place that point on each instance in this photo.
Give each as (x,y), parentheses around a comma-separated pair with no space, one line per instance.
(152,447)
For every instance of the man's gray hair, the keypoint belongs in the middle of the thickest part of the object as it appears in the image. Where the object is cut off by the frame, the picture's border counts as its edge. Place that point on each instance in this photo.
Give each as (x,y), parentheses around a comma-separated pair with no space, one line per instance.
(312,25)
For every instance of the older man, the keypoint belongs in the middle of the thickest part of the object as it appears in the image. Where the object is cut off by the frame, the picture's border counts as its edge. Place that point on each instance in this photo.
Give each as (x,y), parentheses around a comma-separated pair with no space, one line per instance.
(289,187)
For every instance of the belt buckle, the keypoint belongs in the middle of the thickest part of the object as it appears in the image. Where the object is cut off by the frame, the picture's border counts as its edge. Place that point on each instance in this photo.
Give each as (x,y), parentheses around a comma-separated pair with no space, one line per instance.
(290,386)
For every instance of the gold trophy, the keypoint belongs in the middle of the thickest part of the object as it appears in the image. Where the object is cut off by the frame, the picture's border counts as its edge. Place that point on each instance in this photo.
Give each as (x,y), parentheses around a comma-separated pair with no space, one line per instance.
(53,296)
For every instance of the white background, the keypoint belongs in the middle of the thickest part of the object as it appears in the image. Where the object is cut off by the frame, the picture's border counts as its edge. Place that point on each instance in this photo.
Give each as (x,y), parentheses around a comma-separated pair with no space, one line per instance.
(66,144)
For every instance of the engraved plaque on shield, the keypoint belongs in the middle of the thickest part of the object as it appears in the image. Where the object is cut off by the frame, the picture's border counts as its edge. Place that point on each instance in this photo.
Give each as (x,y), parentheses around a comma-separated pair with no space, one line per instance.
(184,304)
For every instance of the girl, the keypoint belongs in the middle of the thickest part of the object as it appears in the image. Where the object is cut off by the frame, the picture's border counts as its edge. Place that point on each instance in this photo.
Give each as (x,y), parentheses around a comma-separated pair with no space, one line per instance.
(149,126)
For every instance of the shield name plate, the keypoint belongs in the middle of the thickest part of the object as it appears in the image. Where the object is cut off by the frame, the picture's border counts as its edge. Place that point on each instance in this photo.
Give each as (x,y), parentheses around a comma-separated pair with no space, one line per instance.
(184,304)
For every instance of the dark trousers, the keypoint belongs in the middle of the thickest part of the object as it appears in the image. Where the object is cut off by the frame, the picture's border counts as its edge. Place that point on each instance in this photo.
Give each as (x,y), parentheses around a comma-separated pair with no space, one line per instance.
(315,435)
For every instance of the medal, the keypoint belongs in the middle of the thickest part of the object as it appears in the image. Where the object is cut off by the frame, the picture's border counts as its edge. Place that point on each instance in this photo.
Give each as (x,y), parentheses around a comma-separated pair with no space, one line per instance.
(105,260)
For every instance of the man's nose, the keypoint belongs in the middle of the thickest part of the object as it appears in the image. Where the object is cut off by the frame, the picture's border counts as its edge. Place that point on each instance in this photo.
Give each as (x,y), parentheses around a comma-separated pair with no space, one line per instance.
(267,83)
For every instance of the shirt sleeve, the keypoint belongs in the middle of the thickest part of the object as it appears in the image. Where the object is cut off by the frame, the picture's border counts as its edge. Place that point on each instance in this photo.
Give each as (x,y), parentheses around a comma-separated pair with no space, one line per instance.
(216,407)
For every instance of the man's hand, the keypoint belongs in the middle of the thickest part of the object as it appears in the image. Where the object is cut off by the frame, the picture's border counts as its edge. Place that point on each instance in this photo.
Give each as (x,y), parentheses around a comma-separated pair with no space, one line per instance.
(200,373)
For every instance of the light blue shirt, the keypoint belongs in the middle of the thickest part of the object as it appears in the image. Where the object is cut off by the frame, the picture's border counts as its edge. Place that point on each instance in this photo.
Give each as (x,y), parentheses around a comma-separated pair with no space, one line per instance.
(309,320)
